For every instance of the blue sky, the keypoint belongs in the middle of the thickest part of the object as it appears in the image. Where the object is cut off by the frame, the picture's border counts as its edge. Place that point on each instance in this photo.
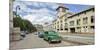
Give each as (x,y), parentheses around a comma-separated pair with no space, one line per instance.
(39,12)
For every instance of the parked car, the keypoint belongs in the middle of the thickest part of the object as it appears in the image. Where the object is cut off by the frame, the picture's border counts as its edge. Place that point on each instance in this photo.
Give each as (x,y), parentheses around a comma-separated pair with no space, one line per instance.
(40,34)
(52,36)
(23,34)
(26,32)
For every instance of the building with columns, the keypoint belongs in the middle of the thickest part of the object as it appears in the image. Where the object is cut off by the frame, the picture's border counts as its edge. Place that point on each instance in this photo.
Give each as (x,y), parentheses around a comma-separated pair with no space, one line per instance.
(81,22)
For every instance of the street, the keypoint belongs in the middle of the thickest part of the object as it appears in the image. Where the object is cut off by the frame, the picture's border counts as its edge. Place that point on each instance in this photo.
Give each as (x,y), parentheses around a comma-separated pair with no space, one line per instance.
(33,41)
(54,22)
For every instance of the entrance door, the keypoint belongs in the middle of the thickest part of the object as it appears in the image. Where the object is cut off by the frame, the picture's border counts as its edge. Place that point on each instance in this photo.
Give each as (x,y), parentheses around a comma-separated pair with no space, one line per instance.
(72,30)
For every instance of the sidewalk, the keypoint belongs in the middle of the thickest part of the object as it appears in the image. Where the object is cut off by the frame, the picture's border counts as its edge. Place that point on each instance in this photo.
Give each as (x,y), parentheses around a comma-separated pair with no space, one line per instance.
(77,34)
(26,43)
(79,38)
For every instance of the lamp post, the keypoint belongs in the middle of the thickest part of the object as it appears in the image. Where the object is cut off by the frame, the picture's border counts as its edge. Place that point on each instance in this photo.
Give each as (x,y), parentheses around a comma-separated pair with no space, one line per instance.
(17,8)
(17,15)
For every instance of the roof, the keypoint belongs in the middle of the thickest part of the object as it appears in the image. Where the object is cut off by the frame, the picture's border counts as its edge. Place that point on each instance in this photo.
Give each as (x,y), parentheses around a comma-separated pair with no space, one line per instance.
(82,12)
(62,7)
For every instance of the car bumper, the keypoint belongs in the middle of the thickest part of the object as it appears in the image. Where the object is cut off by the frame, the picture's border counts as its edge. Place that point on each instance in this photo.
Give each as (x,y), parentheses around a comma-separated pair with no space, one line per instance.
(55,40)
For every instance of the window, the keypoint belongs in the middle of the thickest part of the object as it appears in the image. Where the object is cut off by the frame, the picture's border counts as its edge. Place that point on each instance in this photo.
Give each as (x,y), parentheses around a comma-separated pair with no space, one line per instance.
(85,20)
(86,26)
(92,19)
(92,27)
(58,22)
(66,28)
(58,26)
(66,25)
(55,23)
(71,23)
(78,22)
(78,27)
(61,29)
(55,27)
(63,10)
(65,20)
(61,26)
(61,21)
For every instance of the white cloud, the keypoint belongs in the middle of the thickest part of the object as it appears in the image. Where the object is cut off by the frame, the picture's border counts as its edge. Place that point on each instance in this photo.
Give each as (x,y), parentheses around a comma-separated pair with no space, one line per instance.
(37,16)
(40,17)
(35,20)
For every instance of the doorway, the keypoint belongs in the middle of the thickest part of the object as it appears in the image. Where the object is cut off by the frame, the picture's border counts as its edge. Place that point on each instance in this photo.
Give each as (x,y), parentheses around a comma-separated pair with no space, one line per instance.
(72,30)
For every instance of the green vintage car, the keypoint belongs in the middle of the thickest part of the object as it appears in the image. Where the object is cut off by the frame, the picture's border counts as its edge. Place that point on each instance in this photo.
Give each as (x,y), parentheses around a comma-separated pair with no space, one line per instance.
(52,36)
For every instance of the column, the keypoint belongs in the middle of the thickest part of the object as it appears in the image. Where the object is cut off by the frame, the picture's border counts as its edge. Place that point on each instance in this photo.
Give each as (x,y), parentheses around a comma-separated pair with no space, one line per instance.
(64,23)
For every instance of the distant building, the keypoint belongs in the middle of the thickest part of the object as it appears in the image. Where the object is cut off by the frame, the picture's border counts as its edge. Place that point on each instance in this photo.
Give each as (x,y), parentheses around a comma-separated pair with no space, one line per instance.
(39,27)
(48,27)
(81,22)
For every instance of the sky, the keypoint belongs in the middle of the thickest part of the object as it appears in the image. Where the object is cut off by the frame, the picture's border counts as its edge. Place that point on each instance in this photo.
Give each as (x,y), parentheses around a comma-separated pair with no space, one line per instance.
(42,12)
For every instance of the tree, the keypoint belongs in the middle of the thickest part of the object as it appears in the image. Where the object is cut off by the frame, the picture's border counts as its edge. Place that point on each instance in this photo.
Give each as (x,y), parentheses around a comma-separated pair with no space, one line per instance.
(23,24)
(28,26)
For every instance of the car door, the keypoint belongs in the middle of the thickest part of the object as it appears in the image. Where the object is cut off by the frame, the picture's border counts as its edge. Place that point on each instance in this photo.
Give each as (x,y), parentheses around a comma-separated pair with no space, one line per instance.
(46,36)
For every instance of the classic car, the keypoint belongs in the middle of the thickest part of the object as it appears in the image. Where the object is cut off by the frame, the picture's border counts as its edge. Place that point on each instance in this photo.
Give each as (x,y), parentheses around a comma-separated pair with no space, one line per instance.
(52,36)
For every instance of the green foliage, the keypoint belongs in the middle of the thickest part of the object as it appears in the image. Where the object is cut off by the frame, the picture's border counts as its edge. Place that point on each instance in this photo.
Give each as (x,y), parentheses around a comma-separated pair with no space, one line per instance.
(23,24)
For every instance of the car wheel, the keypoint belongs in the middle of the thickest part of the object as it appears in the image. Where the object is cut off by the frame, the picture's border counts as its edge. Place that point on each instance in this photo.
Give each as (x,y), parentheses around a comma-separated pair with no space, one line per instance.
(59,41)
(49,41)
(43,38)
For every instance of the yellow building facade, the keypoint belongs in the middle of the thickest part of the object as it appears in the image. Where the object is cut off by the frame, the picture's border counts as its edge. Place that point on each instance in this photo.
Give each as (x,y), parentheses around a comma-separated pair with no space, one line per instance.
(81,22)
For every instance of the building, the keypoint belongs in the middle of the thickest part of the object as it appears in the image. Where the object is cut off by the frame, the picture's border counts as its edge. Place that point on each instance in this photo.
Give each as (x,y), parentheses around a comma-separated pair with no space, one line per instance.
(10,19)
(39,27)
(48,27)
(81,22)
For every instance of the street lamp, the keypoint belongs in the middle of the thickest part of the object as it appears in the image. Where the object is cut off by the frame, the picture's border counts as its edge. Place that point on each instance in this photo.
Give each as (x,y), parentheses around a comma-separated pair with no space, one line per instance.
(17,8)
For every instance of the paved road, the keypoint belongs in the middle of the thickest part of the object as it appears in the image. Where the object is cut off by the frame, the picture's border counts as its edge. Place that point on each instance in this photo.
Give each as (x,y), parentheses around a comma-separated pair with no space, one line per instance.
(33,41)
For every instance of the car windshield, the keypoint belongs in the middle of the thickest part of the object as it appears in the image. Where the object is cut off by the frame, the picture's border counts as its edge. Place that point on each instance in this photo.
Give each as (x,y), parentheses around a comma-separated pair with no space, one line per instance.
(52,33)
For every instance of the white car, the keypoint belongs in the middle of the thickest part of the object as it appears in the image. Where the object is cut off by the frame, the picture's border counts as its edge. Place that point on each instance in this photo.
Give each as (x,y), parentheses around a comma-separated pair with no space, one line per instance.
(23,34)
